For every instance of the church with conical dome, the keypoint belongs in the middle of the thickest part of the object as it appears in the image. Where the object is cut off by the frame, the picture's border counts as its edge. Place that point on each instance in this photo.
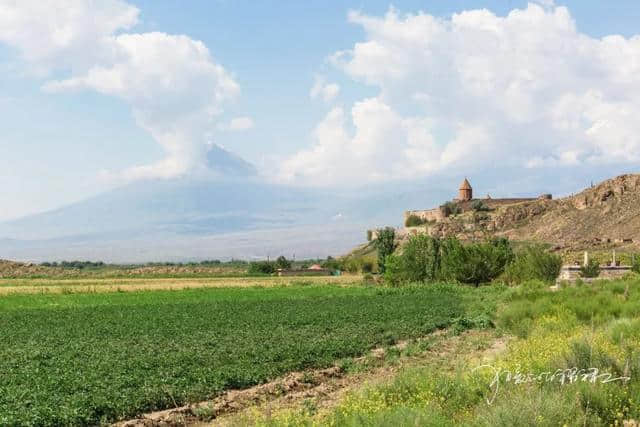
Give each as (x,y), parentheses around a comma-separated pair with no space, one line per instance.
(465,193)
(464,202)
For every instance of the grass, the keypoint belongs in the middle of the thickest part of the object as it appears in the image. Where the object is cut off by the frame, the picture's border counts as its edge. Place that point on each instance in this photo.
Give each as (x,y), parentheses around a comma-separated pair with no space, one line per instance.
(96,358)
(78,358)
(594,326)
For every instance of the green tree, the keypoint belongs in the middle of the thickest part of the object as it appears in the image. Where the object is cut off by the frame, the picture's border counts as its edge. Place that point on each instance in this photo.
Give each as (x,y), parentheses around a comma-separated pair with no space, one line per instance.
(332,264)
(474,263)
(533,262)
(418,262)
(592,269)
(385,244)
(261,267)
(635,263)
(451,208)
(413,221)
(479,206)
(367,267)
(283,263)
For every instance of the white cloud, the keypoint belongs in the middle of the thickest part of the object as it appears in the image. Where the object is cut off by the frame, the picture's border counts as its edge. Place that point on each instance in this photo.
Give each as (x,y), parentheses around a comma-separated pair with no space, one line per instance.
(527,89)
(173,85)
(237,124)
(64,34)
(546,3)
(321,89)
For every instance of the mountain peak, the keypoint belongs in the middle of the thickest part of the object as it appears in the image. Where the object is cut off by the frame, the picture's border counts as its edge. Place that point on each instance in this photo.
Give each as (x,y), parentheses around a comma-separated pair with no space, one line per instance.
(228,164)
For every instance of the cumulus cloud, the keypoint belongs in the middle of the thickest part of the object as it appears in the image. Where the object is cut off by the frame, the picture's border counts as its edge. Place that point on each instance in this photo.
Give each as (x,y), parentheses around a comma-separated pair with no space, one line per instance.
(326,91)
(172,83)
(473,90)
(68,34)
(237,124)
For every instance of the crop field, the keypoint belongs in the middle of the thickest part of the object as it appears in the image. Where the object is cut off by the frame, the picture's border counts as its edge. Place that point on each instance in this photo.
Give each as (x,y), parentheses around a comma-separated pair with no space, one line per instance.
(89,358)
(569,357)
(47,285)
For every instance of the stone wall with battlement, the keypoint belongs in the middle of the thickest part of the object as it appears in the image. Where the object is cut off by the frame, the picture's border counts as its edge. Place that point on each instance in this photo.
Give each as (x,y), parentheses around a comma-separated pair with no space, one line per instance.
(431,215)
(494,203)
(438,214)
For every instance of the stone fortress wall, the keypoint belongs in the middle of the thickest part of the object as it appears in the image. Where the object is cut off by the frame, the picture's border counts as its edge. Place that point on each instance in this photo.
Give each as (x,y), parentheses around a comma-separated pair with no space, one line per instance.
(430,215)
(438,214)
(464,202)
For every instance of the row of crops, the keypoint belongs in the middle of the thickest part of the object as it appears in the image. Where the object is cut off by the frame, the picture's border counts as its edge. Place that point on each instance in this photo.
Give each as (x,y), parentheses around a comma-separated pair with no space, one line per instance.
(95,358)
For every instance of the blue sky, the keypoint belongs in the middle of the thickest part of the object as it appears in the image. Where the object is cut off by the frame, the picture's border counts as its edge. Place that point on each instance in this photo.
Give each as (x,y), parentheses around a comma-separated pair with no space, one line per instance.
(58,146)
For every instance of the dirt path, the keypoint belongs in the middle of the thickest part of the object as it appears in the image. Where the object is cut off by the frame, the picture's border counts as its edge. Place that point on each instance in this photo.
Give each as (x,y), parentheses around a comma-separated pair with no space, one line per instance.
(325,386)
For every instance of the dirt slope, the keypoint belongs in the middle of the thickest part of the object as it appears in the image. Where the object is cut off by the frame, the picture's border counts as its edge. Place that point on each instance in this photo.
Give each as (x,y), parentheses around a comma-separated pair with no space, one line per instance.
(609,211)
(607,214)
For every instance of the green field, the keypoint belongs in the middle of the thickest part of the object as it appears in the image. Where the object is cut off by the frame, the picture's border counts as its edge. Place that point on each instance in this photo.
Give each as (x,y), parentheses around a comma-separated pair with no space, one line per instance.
(94,358)
(569,357)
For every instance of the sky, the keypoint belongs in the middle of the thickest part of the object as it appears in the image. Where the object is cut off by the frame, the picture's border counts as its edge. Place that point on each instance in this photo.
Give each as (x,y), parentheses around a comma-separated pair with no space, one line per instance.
(97,94)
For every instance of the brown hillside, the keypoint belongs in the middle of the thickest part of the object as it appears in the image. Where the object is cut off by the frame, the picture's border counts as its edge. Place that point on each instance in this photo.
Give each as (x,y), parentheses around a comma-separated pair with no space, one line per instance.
(608,212)
(605,215)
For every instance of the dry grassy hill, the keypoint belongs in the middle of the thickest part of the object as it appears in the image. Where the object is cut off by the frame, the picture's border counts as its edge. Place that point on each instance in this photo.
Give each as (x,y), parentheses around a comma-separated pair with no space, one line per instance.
(608,213)
(604,216)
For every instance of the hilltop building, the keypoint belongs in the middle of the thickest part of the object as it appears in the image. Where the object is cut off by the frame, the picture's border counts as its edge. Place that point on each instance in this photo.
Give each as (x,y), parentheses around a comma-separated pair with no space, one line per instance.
(437,221)
(465,193)
(464,203)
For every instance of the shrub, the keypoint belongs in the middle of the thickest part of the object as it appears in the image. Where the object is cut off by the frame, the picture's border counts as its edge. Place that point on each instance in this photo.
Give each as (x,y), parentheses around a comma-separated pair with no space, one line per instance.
(592,269)
(332,264)
(385,244)
(418,262)
(367,267)
(635,263)
(261,267)
(352,265)
(479,206)
(451,208)
(533,263)
(79,264)
(476,262)
(480,216)
(368,279)
(283,263)
(414,221)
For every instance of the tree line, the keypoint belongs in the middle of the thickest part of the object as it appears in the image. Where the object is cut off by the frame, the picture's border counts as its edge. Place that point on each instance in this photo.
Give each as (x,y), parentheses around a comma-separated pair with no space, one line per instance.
(430,259)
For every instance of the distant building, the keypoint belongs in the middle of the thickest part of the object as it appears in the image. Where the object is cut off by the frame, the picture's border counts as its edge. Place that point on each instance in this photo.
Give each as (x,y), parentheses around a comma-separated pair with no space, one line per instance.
(465,193)
(464,203)
(314,270)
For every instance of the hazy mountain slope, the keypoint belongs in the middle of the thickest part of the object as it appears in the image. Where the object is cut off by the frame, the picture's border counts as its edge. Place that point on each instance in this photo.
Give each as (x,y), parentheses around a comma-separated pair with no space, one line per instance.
(232,199)
(180,206)
(228,164)
(184,219)
(233,213)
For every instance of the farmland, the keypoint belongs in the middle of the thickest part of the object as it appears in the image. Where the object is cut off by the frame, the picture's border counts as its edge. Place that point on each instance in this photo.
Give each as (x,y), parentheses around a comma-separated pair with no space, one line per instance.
(569,357)
(93,285)
(88,358)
